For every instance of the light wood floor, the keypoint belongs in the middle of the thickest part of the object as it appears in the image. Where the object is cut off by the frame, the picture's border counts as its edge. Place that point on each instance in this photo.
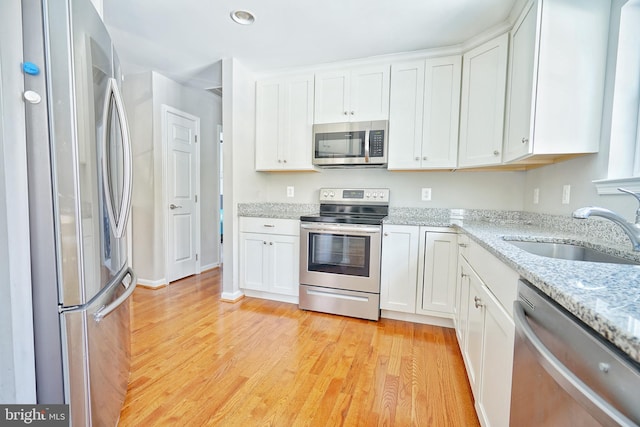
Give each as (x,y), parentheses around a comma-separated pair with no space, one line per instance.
(198,361)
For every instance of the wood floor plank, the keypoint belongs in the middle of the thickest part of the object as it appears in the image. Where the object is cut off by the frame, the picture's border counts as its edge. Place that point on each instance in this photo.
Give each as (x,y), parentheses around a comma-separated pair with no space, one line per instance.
(198,361)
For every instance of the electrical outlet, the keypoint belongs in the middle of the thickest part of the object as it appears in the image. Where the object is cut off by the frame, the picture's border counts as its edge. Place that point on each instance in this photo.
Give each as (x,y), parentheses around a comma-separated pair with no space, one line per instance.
(426,194)
(290,191)
(536,196)
(566,194)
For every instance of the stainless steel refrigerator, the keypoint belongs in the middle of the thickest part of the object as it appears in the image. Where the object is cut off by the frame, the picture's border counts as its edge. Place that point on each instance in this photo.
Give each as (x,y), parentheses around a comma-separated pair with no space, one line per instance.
(79,162)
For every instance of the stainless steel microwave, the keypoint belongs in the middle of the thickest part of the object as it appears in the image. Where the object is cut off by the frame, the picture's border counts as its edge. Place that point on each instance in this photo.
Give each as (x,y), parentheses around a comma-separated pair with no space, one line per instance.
(351,144)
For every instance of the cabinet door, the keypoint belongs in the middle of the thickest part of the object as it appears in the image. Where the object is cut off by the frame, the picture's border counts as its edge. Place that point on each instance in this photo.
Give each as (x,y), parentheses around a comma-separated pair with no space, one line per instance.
(369,98)
(482,103)
(497,363)
(298,123)
(283,264)
(399,268)
(269,124)
(475,333)
(441,112)
(518,138)
(331,97)
(406,108)
(462,302)
(437,288)
(253,261)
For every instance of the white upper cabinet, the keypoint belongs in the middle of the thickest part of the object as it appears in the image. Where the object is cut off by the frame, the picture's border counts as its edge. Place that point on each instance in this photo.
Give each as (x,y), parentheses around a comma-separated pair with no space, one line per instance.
(284,120)
(423,114)
(353,95)
(556,74)
(484,75)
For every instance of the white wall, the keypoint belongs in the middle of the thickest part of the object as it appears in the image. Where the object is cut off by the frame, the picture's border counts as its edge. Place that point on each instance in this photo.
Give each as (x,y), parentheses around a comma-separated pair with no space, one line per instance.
(239,176)
(144,95)
(17,360)
(480,190)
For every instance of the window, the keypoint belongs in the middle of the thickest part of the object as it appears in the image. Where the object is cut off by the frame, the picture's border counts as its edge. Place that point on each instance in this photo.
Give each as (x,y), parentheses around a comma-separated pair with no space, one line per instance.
(624,151)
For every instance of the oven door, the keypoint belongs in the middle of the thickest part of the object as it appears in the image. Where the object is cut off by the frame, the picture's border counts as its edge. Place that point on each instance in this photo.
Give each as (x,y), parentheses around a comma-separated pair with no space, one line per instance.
(340,256)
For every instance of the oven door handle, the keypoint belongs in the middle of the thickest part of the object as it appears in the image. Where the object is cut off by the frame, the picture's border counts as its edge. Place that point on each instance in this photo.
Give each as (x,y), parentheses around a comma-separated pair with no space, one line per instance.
(341,229)
(582,393)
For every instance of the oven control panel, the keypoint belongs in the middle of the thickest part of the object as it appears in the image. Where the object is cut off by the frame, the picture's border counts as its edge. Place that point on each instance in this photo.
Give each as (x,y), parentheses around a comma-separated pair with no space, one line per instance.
(354,195)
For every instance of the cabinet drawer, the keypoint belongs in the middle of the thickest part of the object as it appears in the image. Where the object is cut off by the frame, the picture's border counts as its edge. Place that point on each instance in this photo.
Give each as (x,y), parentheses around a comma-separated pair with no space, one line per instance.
(270,226)
(499,278)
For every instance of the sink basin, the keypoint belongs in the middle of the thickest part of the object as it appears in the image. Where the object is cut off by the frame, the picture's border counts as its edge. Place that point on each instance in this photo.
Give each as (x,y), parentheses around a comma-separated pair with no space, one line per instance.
(568,251)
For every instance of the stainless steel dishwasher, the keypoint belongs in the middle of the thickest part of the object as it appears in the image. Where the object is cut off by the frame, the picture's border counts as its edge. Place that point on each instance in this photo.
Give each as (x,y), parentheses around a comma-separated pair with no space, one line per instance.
(564,373)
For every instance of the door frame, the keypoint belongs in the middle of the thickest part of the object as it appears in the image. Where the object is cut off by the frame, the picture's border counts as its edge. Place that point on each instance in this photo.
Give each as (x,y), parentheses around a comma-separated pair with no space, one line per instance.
(165,111)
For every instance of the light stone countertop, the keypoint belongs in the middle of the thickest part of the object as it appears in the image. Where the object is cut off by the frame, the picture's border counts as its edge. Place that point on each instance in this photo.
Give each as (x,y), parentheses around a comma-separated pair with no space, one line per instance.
(606,297)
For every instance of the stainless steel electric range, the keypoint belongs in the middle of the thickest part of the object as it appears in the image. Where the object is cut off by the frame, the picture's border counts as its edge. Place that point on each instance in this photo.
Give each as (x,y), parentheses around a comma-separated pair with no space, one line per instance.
(340,252)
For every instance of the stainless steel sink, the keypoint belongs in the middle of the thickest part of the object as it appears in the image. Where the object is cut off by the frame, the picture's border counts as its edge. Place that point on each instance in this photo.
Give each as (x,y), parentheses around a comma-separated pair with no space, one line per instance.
(568,251)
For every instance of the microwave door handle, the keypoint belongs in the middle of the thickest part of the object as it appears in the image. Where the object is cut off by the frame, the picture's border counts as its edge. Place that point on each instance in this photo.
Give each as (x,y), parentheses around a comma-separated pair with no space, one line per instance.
(366,146)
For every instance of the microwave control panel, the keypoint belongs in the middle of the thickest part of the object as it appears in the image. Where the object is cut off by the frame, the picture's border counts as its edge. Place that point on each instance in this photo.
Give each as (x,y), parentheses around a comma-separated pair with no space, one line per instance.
(376,143)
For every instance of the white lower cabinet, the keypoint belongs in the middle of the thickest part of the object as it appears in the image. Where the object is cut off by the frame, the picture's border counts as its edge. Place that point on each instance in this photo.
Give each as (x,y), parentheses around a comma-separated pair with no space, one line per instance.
(269,256)
(399,271)
(418,270)
(486,333)
(437,273)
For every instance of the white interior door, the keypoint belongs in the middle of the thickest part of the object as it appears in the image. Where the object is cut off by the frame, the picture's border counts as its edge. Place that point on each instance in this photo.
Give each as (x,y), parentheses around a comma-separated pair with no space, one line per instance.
(183,225)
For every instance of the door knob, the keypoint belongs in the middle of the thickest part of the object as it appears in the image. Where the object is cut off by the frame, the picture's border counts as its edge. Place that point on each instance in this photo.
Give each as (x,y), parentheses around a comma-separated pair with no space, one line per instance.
(172,206)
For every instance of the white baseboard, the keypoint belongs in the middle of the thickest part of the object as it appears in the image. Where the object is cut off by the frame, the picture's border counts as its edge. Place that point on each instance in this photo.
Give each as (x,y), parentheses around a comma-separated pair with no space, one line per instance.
(417,318)
(293,299)
(231,296)
(152,283)
(211,266)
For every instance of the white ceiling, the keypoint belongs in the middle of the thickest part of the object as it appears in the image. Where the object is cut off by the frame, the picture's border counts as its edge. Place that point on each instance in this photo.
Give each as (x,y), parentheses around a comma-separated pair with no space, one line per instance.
(185,39)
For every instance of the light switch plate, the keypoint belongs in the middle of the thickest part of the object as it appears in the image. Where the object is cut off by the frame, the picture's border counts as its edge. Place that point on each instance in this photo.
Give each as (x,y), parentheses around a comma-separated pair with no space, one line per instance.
(536,196)
(426,194)
(290,191)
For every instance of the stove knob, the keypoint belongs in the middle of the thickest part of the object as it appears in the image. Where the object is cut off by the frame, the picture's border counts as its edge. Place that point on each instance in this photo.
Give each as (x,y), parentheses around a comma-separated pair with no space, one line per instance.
(325,194)
(332,194)
(367,195)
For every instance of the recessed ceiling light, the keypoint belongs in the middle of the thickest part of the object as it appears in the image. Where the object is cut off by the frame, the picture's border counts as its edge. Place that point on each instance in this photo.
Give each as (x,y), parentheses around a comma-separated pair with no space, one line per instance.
(243,17)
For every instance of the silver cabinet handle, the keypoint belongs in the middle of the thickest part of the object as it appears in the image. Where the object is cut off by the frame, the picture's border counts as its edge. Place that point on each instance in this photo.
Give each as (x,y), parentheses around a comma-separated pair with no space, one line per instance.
(525,140)
(478,302)
(496,153)
(268,225)
(462,245)
(581,392)
(172,206)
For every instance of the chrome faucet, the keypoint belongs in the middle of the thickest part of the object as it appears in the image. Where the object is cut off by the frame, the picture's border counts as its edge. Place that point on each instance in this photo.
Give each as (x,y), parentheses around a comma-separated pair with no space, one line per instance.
(631,229)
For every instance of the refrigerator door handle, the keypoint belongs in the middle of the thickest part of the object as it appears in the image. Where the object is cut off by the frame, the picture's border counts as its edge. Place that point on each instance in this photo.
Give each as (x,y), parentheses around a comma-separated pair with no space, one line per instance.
(118,223)
(104,311)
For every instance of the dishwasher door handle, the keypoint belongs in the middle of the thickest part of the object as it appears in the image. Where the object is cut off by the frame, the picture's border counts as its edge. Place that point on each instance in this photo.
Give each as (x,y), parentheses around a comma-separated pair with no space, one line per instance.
(599,408)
